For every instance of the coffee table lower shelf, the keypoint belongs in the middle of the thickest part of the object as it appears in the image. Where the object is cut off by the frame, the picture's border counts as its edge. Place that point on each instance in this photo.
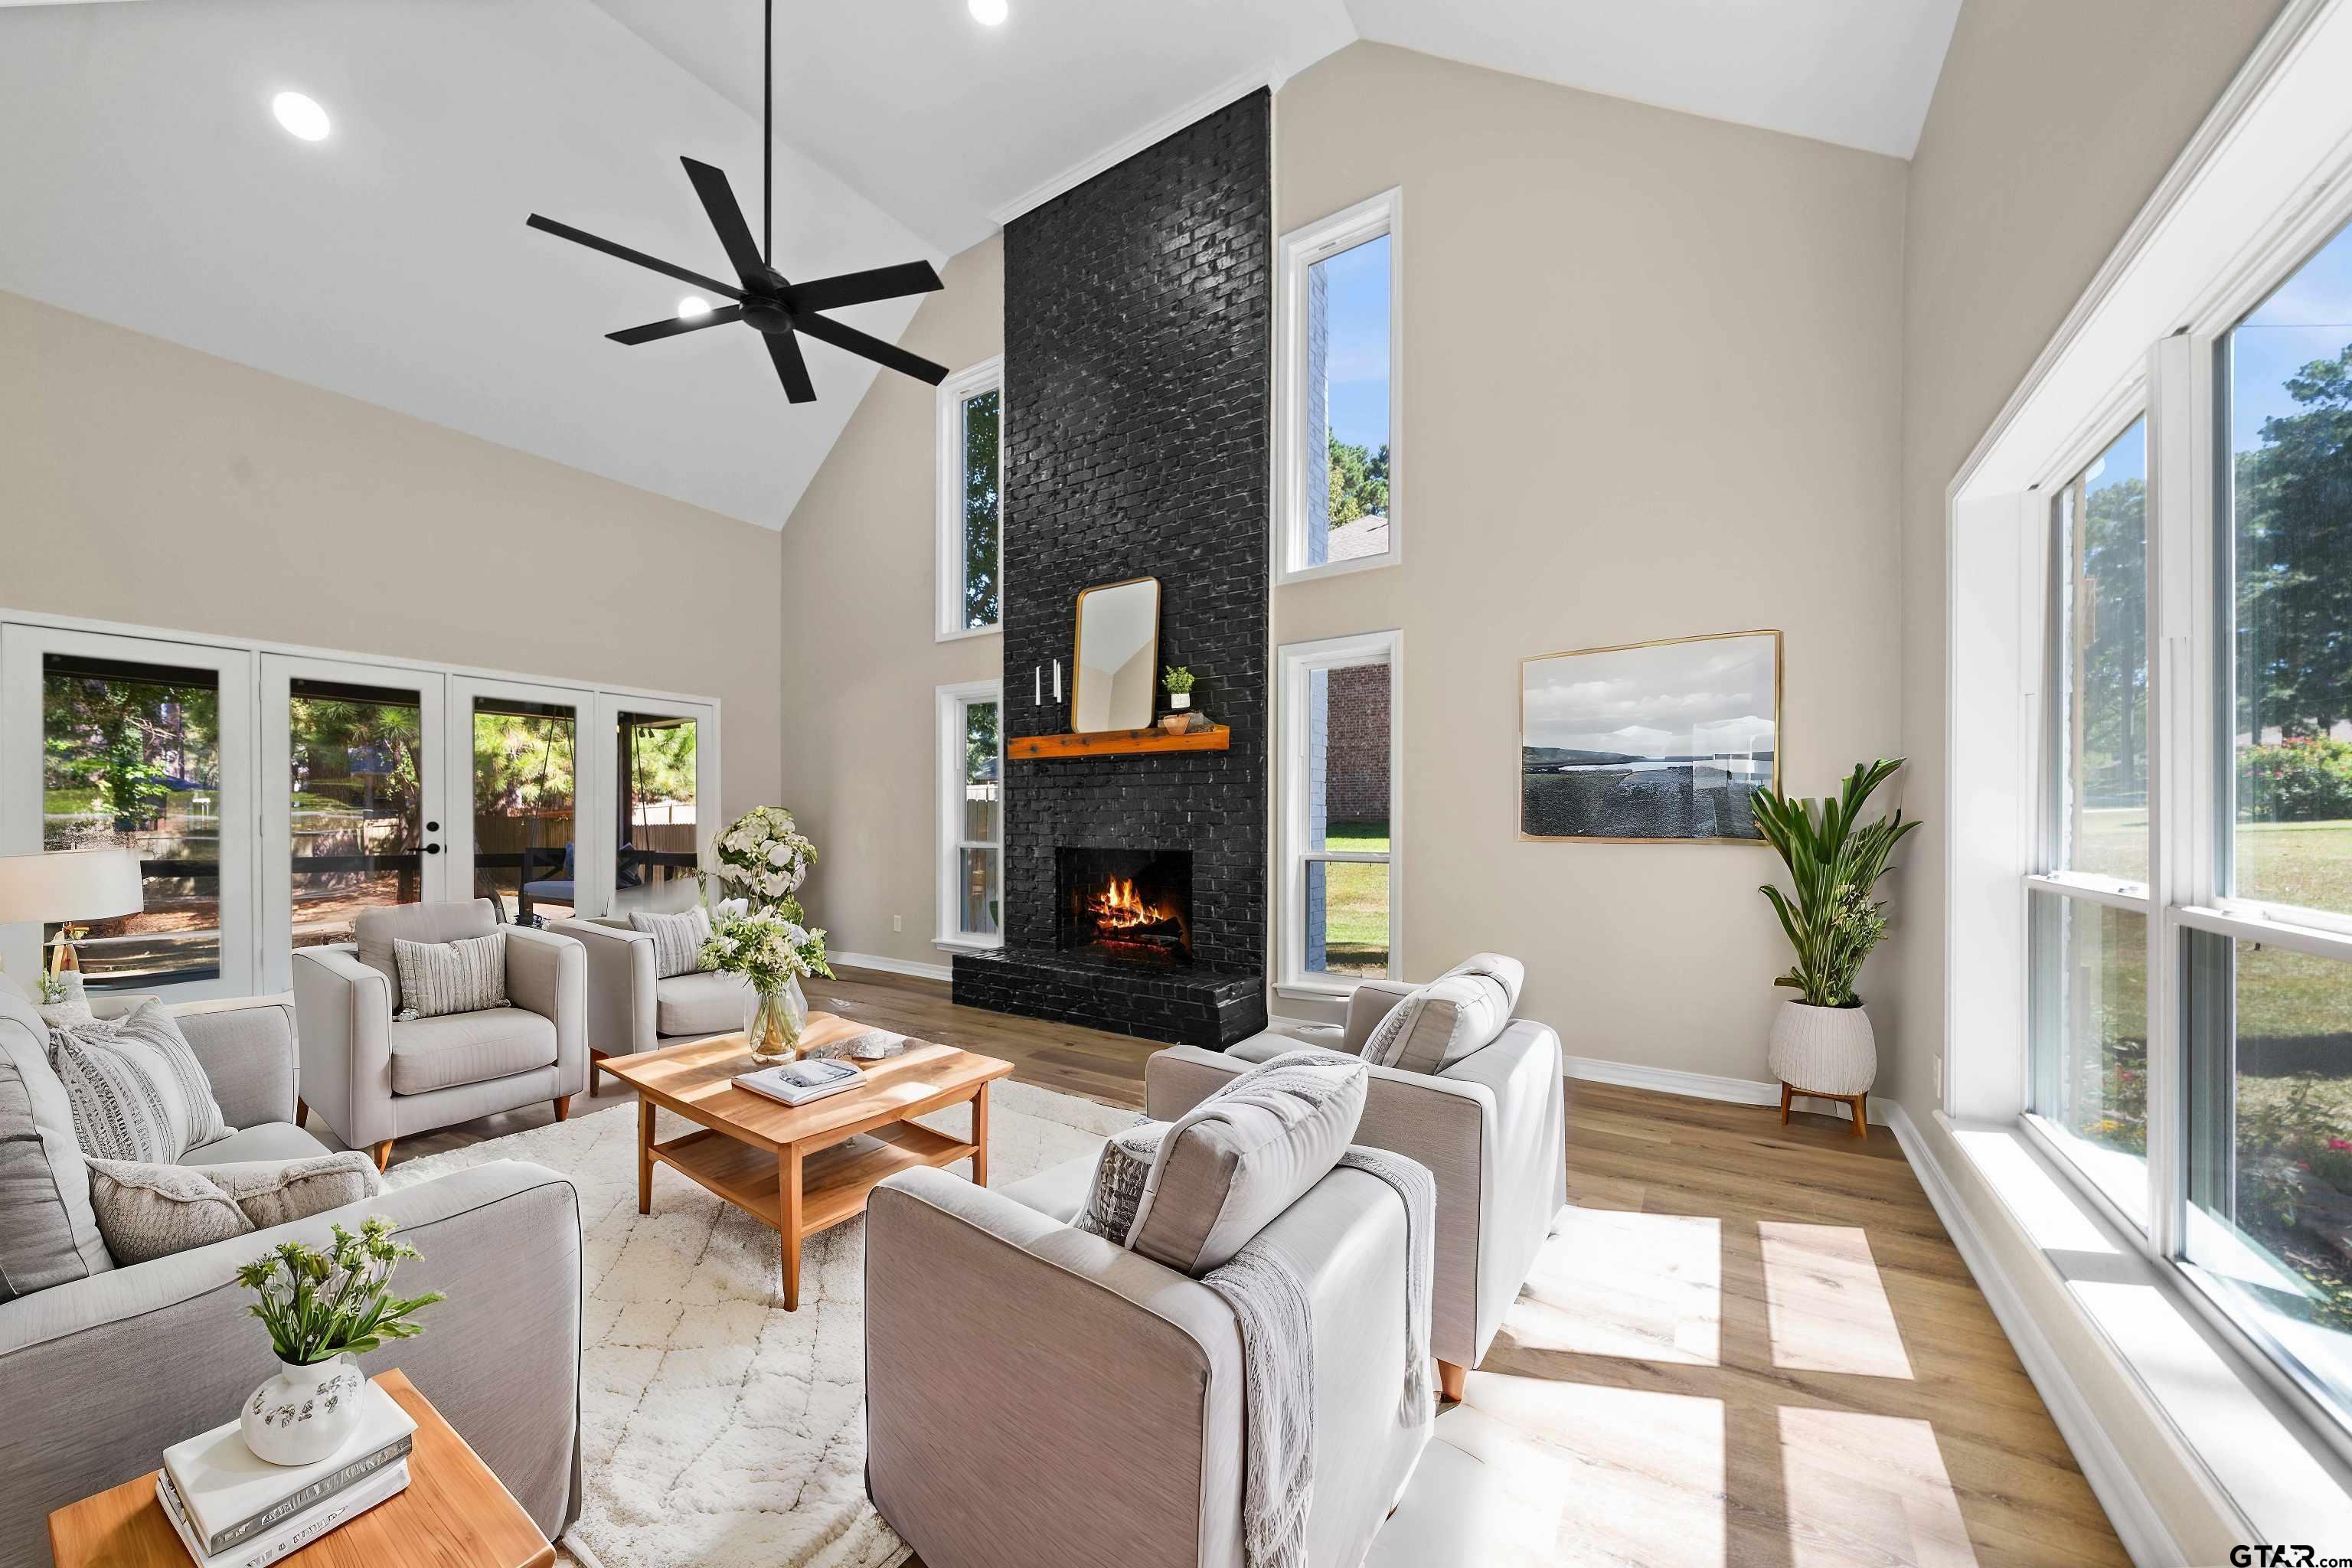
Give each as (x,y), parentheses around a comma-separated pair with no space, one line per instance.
(834,1181)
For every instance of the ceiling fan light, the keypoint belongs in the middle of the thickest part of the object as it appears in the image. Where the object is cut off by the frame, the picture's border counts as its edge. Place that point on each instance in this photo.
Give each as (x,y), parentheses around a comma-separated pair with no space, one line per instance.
(693,305)
(301,115)
(988,13)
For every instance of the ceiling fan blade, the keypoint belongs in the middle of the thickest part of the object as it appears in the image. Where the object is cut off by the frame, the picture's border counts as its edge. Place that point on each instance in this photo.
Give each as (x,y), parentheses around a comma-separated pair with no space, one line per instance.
(857,288)
(791,369)
(727,217)
(890,356)
(582,236)
(671,326)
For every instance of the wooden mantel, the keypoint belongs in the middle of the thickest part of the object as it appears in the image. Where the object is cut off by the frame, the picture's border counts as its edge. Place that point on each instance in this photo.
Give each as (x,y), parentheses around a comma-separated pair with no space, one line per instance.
(1121,742)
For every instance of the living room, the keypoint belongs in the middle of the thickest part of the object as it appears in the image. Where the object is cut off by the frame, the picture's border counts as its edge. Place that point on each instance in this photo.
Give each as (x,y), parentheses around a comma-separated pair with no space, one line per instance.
(1411,783)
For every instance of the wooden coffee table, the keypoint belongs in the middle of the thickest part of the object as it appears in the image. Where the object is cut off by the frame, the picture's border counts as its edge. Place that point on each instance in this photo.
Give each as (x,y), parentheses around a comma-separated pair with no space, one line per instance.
(802,1169)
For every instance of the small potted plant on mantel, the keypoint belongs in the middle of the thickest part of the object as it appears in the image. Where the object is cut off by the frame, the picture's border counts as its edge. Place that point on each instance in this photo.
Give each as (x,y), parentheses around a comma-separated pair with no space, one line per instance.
(1821,1041)
(1180,681)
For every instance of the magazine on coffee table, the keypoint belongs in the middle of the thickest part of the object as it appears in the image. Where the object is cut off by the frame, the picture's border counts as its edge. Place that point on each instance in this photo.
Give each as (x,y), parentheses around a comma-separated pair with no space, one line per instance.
(797,1083)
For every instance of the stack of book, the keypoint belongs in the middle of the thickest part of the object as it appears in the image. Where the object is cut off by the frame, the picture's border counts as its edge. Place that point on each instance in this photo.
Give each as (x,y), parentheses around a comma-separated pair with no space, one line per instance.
(797,1083)
(234,1510)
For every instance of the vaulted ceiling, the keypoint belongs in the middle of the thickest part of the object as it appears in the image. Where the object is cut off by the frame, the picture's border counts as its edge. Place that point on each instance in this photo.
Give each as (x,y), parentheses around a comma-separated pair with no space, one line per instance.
(147,183)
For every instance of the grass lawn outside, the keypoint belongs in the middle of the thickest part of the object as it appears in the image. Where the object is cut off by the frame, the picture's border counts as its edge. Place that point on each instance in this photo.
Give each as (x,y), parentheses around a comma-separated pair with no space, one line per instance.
(1356,902)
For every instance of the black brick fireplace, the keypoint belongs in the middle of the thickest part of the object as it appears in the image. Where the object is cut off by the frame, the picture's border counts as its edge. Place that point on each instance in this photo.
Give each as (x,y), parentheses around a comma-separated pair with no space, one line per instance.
(1137,319)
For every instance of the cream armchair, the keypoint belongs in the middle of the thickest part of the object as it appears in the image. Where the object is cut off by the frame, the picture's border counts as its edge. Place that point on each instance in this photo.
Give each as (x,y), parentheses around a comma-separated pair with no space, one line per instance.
(632,1008)
(1037,1395)
(1492,1128)
(376,1079)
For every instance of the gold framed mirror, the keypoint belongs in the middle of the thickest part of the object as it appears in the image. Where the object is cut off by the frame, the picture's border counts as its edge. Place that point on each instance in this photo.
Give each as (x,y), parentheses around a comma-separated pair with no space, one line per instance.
(1117,656)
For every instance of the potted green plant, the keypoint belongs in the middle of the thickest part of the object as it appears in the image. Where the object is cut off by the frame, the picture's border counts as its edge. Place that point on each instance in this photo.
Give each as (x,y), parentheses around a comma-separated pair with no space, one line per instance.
(1178,682)
(1821,1041)
(323,1309)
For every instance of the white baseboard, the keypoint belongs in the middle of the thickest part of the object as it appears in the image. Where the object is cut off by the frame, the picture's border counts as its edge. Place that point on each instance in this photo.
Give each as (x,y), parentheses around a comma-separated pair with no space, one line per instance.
(919,970)
(2136,1523)
(1706,1086)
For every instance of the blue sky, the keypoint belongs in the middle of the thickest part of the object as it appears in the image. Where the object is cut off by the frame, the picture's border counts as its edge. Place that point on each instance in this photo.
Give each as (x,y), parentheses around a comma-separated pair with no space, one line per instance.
(1357,319)
(2309,318)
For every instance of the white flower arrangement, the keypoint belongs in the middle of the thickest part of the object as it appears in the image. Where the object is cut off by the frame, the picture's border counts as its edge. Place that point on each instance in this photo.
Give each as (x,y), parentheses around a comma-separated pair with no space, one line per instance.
(766,948)
(763,858)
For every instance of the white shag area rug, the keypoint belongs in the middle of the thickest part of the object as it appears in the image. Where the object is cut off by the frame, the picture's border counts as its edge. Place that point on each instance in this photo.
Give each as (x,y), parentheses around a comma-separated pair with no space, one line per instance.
(720,1428)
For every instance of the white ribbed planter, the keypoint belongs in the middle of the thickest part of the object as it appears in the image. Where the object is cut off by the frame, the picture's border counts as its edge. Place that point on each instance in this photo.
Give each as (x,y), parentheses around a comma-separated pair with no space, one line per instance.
(1824,1050)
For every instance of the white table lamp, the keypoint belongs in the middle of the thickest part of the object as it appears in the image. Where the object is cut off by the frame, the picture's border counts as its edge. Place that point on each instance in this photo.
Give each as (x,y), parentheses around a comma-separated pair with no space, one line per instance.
(71,885)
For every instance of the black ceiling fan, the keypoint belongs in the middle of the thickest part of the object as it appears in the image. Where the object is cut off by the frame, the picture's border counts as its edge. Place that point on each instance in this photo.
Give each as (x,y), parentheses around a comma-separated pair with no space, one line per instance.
(764,300)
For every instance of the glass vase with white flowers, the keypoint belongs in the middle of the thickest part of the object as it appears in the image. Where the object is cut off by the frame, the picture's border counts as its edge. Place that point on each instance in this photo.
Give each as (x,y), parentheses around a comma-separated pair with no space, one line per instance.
(771,949)
(762,858)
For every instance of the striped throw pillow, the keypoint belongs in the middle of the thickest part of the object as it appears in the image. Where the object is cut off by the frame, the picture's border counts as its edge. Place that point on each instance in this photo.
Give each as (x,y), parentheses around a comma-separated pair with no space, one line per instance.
(438,977)
(677,938)
(135,1087)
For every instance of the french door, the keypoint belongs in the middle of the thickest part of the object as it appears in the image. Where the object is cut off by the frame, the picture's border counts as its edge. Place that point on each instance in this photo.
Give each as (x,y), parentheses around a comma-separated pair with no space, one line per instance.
(141,743)
(354,757)
(663,757)
(521,785)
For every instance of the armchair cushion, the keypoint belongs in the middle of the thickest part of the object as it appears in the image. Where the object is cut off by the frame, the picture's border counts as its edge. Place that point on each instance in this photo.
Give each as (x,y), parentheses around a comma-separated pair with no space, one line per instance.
(677,938)
(376,930)
(710,1003)
(47,1234)
(146,1212)
(1462,1011)
(277,1141)
(438,978)
(468,1048)
(1232,1162)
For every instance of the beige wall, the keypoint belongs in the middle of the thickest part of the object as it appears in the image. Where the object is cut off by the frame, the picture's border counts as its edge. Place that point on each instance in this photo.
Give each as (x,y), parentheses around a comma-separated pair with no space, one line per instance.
(860,665)
(2050,127)
(1650,387)
(145,482)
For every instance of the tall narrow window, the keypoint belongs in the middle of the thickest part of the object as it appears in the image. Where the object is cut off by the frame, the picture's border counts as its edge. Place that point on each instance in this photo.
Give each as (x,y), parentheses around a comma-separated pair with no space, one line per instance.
(2087,979)
(1339,291)
(971,523)
(1339,729)
(131,759)
(2267,1024)
(972,815)
(659,771)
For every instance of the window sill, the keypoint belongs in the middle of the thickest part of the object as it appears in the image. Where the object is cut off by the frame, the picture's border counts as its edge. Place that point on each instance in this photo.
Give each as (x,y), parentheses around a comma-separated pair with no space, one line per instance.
(962,634)
(2248,1454)
(968,943)
(1393,557)
(1317,991)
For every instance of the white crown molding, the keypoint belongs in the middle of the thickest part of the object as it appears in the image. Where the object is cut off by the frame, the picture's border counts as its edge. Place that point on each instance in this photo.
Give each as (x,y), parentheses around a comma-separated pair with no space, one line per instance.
(1267,76)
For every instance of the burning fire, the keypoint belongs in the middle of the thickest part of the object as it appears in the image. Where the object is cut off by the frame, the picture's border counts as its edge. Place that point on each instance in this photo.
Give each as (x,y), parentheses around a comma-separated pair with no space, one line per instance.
(1117,908)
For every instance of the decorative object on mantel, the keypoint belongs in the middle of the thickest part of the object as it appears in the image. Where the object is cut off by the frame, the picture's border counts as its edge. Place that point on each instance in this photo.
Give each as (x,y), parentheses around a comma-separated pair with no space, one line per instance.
(1822,1041)
(774,952)
(766,301)
(1118,649)
(322,1309)
(1184,723)
(1119,742)
(1178,682)
(1650,742)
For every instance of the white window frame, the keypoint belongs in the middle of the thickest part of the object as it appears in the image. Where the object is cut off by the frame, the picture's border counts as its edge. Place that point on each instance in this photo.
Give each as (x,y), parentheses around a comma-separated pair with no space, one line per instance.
(1297,252)
(2264,183)
(950,702)
(988,376)
(1297,661)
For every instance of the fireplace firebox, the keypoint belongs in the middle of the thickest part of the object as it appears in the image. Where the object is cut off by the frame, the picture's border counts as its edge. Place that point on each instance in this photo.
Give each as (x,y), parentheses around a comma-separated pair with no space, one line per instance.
(1126,903)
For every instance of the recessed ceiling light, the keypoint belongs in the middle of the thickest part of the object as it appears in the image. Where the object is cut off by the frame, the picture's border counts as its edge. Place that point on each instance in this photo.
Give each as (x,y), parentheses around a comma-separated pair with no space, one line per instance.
(301,115)
(692,306)
(990,12)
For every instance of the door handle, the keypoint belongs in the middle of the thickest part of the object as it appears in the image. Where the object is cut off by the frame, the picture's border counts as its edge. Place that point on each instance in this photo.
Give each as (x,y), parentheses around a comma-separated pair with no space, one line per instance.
(432,848)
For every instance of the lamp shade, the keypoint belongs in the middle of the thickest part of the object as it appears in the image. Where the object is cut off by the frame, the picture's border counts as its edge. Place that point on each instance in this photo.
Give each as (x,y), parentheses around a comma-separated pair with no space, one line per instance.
(71,885)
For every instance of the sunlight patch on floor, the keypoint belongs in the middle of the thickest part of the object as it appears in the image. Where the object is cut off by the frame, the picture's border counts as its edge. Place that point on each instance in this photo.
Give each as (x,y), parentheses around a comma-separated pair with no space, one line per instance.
(1868,1490)
(1646,1287)
(1828,1308)
(1530,1471)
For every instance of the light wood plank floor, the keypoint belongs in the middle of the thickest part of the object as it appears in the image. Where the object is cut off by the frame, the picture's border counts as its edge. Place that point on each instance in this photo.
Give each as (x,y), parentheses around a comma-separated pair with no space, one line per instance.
(1750,1346)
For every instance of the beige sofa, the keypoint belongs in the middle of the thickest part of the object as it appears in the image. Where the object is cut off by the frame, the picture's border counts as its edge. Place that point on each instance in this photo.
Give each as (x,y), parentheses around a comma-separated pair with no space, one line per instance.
(1492,1128)
(375,1077)
(630,1008)
(102,1367)
(1037,1395)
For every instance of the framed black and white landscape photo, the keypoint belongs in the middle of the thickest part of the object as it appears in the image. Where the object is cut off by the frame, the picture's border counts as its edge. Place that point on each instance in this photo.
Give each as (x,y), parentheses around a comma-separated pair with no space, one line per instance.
(1650,742)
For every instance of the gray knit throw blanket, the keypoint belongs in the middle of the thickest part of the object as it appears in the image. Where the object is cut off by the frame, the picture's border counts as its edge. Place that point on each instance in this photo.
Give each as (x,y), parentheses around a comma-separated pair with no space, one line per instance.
(1268,1299)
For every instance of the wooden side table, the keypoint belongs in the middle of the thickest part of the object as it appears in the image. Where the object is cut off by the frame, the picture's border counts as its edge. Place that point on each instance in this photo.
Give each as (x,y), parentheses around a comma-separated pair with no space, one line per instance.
(454,1514)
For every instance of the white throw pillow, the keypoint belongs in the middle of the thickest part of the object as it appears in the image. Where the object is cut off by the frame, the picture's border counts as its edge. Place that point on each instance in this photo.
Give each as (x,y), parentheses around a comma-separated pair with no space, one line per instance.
(136,1090)
(1459,1012)
(677,938)
(440,977)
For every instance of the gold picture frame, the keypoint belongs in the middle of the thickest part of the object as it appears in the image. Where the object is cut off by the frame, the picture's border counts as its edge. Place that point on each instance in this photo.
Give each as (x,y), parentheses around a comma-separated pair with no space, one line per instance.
(1600,765)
